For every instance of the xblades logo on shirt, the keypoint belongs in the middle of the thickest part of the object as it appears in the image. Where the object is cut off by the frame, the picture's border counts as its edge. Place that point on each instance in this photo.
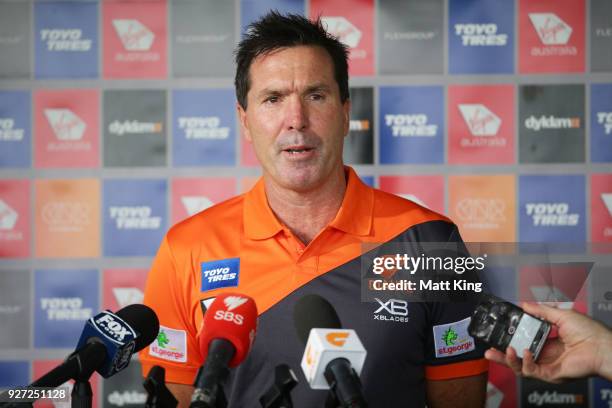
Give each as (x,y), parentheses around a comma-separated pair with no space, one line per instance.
(134,35)
(480,120)
(550,28)
(66,124)
(392,310)
(8,216)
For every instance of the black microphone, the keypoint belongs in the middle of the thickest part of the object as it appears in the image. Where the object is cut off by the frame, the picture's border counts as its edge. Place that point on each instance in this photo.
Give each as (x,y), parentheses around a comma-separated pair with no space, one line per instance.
(158,395)
(330,356)
(106,345)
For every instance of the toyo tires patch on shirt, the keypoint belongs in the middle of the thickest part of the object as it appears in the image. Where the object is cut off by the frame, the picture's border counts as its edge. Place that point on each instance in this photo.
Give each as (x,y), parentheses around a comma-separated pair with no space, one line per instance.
(220,274)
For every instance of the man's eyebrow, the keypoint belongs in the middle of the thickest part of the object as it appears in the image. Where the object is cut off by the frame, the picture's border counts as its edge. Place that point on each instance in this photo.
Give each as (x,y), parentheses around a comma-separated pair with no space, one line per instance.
(317,88)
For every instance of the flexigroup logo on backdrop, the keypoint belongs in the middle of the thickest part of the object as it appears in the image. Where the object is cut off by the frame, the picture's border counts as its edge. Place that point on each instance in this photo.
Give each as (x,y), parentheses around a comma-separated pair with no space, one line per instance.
(204,127)
(15,32)
(15,307)
(66,40)
(501,388)
(14,218)
(134,40)
(192,195)
(551,124)
(134,216)
(601,123)
(427,191)
(601,35)
(483,207)
(134,128)
(481,39)
(411,124)
(67,218)
(552,208)
(410,39)
(15,135)
(601,208)
(481,124)
(359,145)
(552,36)
(66,124)
(353,24)
(63,301)
(601,293)
(202,38)
(122,287)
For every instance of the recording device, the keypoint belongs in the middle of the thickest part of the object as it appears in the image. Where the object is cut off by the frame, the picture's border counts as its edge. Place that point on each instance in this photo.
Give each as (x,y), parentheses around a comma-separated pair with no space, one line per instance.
(106,345)
(158,395)
(226,338)
(279,394)
(333,357)
(501,324)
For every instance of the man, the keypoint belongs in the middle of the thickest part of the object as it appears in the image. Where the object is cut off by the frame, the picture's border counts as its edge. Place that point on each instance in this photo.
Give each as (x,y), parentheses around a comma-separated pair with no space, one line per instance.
(301,230)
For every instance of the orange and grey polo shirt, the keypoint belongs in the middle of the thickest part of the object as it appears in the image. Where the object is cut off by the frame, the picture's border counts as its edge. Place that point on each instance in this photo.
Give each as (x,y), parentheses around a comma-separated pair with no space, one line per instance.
(240,246)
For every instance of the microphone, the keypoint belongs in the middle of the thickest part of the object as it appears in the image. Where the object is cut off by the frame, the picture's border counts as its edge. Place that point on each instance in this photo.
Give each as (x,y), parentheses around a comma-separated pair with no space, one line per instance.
(158,395)
(106,345)
(333,357)
(226,338)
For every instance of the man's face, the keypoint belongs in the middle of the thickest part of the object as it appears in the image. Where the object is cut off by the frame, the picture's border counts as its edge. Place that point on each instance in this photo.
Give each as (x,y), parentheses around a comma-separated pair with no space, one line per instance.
(294,117)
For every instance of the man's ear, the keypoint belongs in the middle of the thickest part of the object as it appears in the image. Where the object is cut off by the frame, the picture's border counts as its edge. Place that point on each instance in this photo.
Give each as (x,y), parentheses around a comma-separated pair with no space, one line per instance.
(346,112)
(244,128)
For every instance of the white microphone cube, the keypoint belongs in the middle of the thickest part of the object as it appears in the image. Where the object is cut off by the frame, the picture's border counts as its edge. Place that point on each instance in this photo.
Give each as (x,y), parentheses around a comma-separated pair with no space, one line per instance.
(325,345)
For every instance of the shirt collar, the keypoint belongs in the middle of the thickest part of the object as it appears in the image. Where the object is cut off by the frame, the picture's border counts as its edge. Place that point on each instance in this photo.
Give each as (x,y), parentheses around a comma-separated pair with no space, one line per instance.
(353,217)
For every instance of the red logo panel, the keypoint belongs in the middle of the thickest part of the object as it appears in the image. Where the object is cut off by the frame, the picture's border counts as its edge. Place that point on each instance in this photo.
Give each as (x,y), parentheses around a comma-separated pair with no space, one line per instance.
(190,196)
(123,287)
(601,208)
(501,388)
(481,124)
(552,36)
(352,21)
(135,39)
(14,218)
(562,286)
(66,128)
(425,190)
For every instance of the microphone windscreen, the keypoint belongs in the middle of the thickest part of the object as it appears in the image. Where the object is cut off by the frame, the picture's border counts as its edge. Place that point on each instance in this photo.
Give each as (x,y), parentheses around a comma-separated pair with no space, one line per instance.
(233,317)
(313,311)
(143,320)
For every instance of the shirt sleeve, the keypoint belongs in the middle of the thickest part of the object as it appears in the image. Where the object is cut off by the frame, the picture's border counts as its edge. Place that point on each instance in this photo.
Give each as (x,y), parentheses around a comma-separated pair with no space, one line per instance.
(167,293)
(450,351)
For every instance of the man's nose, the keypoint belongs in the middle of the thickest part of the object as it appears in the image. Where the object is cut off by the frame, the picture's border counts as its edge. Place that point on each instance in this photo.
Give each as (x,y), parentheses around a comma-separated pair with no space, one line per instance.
(297,117)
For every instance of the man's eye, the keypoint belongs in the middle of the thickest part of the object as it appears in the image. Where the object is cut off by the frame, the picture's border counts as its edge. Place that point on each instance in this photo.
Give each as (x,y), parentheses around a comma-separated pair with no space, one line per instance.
(317,97)
(272,99)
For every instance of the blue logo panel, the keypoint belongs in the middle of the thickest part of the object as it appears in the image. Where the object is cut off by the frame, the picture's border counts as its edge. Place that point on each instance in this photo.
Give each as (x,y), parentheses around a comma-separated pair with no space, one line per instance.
(251,10)
(15,129)
(220,274)
(14,374)
(134,216)
(411,125)
(602,393)
(64,300)
(501,282)
(552,209)
(204,128)
(601,123)
(481,36)
(66,40)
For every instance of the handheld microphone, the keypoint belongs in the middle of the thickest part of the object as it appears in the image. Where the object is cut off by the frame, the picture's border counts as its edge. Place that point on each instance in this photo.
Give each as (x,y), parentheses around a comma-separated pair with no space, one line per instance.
(106,345)
(333,357)
(226,338)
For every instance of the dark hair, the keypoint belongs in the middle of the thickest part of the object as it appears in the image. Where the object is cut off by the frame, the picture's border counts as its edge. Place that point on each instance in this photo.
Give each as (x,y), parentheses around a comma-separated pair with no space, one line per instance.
(274,31)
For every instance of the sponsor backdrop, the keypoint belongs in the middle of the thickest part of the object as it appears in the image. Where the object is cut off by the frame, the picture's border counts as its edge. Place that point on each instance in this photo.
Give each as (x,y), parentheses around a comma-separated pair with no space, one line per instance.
(117,120)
